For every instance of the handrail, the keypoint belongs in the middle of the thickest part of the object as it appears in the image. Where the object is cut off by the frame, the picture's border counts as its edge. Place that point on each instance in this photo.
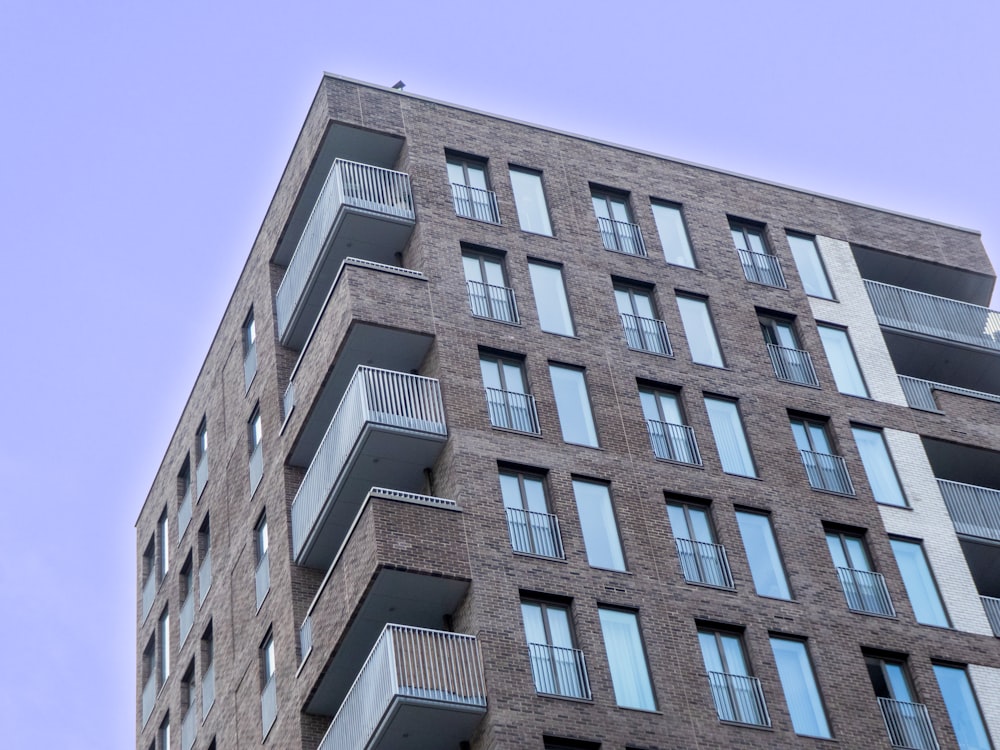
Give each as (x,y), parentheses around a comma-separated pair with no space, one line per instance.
(974,510)
(558,670)
(920,393)
(866,591)
(827,472)
(762,268)
(646,334)
(704,562)
(992,606)
(492,301)
(739,698)
(793,365)
(534,533)
(621,236)
(512,410)
(909,724)
(673,442)
(475,203)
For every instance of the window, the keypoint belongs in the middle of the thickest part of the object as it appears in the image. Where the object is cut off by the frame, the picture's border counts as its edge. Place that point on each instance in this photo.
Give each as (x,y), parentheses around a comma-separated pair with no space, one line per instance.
(255,434)
(700,331)
(268,692)
(614,218)
(730,438)
(671,437)
(529,199)
(201,454)
(187,597)
(249,350)
(262,576)
(150,580)
(702,560)
(824,468)
(644,331)
(470,190)
(597,522)
(187,701)
(533,529)
(489,295)
(163,544)
(150,683)
(864,588)
(810,266)
(919,582)
(573,405)
(798,683)
(207,671)
(963,709)
(673,235)
(511,407)
(184,508)
(205,556)
(550,298)
(737,694)
(791,364)
(759,265)
(163,736)
(763,555)
(906,719)
(843,363)
(878,466)
(626,659)
(163,635)
(556,666)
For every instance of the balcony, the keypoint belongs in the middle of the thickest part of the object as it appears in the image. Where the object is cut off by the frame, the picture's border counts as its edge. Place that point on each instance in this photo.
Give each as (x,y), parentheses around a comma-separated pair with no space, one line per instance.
(621,237)
(559,671)
(187,615)
(419,688)
(704,563)
(207,691)
(938,317)
(189,728)
(535,533)
(510,410)
(908,724)
(920,393)
(475,203)
(268,705)
(367,210)
(205,576)
(761,268)
(388,428)
(646,334)
(739,698)
(673,442)
(184,512)
(827,472)
(492,302)
(975,511)
(992,606)
(866,592)
(792,365)
(148,697)
(148,594)
(262,580)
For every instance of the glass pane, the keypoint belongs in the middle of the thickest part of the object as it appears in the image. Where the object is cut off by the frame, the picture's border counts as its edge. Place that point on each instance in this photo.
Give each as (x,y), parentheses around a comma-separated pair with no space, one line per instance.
(550,299)
(733,651)
(494,272)
(785,335)
(513,378)
(799,686)
(673,236)
(600,206)
(810,267)
(919,583)
(597,521)
(710,652)
(899,687)
(762,554)
(699,331)
(477,176)
(643,305)
(678,521)
(700,527)
(534,628)
(573,406)
(649,405)
(490,369)
(837,551)
(959,699)
(878,467)
(756,242)
(670,408)
(843,363)
(727,428)
(510,489)
(534,491)
(626,660)
(473,271)
(559,627)
(738,239)
(818,437)
(529,199)
(623,302)
(619,210)
(801,435)
(456,174)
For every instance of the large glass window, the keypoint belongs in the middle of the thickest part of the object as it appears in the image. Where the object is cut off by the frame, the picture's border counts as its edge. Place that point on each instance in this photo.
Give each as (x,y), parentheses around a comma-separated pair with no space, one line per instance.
(556,665)
(627,659)
(963,710)
(763,555)
(529,198)
(737,694)
(799,686)
(262,576)
(489,294)
(510,405)
(550,298)
(673,235)
(730,438)
(700,331)
(881,473)
(597,522)
(919,582)
(810,266)
(533,529)
(573,405)
(163,544)
(843,363)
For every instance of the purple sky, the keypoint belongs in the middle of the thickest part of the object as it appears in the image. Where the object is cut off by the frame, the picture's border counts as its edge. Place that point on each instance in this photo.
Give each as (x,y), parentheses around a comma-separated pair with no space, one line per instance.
(143,141)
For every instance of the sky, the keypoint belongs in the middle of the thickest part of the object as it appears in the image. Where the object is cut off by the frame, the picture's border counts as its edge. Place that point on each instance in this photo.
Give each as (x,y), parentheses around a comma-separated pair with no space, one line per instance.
(143,141)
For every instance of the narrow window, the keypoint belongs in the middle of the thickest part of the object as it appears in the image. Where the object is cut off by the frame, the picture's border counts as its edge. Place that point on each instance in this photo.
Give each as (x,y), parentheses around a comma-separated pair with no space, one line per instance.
(919,583)
(470,190)
(702,560)
(262,576)
(671,437)
(573,405)
(736,692)
(187,597)
(673,234)
(187,704)
(597,521)
(619,232)
(164,734)
(163,635)
(763,555)
(268,691)
(255,435)
(627,659)
(557,666)
(790,362)
(963,709)
(759,264)
(550,298)
(644,331)
(864,589)
(533,529)
(489,295)
(529,199)
(730,437)
(843,363)
(510,405)
(799,686)
(150,579)
(881,473)
(205,557)
(163,544)
(824,468)
(700,331)
(201,455)
(810,266)
(207,671)
(249,350)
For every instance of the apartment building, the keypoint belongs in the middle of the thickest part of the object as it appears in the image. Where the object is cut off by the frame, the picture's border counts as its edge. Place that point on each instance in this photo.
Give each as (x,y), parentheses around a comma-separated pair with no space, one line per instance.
(510,438)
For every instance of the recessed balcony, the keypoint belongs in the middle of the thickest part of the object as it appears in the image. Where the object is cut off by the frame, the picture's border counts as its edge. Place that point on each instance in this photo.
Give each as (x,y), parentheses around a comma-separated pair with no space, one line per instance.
(975,511)
(792,365)
(920,393)
(361,210)
(827,472)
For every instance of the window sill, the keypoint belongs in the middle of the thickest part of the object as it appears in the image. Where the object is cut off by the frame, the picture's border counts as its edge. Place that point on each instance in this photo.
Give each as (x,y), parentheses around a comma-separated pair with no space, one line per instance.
(512,431)
(533,556)
(681,463)
(558,697)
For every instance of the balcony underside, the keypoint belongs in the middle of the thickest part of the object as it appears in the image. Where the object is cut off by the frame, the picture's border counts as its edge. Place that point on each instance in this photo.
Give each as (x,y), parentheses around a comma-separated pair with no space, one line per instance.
(925,276)
(943,361)
(419,724)
(983,557)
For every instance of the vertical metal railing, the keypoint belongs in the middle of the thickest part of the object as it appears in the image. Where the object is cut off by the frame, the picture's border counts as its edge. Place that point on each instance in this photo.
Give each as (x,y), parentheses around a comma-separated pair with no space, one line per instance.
(207,690)
(382,397)
(184,512)
(908,724)
(827,472)
(866,592)
(148,593)
(360,186)
(512,411)
(430,665)
(268,705)
(992,606)
(559,671)
(249,365)
(189,728)
(920,393)
(974,510)
(256,467)
(792,365)
(187,615)
(534,533)
(148,697)
(201,473)
(621,237)
(673,442)
(205,576)
(306,637)
(492,301)
(475,203)
(704,562)
(762,268)
(739,698)
(262,579)
(646,334)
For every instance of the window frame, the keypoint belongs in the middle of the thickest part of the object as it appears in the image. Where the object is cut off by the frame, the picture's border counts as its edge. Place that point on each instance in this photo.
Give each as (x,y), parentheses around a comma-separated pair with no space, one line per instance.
(583,405)
(618,679)
(926,586)
(862,447)
(555,670)
(971,701)
(701,329)
(819,264)
(742,434)
(841,364)
(494,307)
(499,361)
(606,521)
(567,325)
(518,203)
(816,699)
(550,546)
(682,224)
(772,556)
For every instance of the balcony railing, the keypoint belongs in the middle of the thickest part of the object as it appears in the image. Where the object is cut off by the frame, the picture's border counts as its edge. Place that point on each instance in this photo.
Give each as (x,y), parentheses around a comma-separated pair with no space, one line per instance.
(189,728)
(184,512)
(187,615)
(262,579)
(256,467)
(559,671)
(974,510)
(646,334)
(430,666)
(673,442)
(761,268)
(381,397)
(908,724)
(207,690)
(475,203)
(148,698)
(359,186)
(534,533)
(268,705)
(705,563)
(866,592)
(512,411)
(622,237)
(205,576)
(928,314)
(792,365)
(249,366)
(920,393)
(148,594)
(992,606)
(493,302)
(739,698)
(827,472)
(201,473)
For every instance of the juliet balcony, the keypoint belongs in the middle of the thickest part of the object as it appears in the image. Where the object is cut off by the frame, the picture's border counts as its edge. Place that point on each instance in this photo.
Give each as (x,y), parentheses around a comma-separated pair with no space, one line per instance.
(792,365)
(646,334)
(388,428)
(739,699)
(762,268)
(866,592)
(673,442)
(621,237)
(827,472)
(362,209)
(908,724)
(704,563)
